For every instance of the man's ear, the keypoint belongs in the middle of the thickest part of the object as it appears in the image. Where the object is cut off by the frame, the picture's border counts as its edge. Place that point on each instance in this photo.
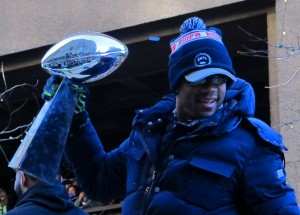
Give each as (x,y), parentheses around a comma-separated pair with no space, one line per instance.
(23,179)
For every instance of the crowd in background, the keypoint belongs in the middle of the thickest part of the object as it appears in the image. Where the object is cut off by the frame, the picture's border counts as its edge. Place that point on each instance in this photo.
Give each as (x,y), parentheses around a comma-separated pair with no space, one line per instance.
(78,196)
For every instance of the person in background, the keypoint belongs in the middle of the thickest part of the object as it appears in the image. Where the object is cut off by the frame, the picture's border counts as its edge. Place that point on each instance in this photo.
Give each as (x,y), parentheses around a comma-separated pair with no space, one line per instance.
(73,192)
(4,201)
(198,150)
(79,198)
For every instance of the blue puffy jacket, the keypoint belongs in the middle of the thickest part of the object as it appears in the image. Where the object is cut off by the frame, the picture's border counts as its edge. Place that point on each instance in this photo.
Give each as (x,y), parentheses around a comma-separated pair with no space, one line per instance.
(230,163)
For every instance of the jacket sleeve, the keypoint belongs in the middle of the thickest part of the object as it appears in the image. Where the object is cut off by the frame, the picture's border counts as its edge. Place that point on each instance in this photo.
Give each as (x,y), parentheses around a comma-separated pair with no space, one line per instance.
(265,188)
(101,175)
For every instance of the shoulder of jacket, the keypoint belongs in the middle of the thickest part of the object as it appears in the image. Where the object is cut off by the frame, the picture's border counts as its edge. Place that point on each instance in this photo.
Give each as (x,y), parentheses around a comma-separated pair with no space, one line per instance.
(267,133)
(156,113)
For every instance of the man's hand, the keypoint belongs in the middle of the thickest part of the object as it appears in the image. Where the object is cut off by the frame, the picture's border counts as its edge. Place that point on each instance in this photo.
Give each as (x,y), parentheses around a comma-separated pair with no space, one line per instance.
(78,88)
(82,95)
(51,87)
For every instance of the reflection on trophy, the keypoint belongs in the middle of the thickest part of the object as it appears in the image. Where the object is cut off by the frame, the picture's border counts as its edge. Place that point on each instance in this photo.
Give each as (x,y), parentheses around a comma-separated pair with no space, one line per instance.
(84,57)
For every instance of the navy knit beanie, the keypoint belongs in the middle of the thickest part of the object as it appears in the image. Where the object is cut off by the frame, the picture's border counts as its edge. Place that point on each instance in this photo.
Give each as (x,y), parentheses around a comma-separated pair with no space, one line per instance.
(197,53)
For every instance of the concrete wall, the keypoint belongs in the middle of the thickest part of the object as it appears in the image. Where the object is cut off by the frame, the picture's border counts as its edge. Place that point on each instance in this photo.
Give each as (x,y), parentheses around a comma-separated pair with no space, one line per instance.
(27,24)
(284,32)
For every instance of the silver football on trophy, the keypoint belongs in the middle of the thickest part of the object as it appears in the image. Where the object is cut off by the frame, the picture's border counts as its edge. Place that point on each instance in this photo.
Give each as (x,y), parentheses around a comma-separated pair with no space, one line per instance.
(88,56)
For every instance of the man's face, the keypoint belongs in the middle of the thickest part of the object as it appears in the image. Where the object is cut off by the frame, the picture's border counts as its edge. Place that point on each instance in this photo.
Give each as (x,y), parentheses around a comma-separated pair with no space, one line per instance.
(199,101)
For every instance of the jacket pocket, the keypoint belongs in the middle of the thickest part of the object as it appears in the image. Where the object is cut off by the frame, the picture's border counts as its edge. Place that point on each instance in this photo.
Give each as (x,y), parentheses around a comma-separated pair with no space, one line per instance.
(209,183)
(213,166)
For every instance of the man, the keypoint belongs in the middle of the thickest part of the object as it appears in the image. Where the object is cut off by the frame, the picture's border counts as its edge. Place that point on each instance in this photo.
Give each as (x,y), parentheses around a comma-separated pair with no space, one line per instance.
(196,151)
(38,197)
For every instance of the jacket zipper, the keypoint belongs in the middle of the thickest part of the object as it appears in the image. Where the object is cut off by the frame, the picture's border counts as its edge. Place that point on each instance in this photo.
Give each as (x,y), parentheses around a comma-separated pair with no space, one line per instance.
(148,191)
(152,183)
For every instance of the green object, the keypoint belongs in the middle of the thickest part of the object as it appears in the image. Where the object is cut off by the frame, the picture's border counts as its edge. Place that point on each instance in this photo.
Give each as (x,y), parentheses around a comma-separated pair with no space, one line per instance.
(81,92)
(3,209)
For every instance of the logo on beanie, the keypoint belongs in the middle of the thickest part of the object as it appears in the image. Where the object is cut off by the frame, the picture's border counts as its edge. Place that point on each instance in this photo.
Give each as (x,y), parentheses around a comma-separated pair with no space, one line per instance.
(194,36)
(202,59)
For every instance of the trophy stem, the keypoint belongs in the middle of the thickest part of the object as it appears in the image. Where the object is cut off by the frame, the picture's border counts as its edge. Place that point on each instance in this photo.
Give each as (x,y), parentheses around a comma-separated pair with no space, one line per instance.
(47,136)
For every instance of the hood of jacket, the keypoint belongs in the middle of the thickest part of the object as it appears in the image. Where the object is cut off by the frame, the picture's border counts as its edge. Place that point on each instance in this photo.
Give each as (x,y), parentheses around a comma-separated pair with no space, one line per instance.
(241,98)
(53,197)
